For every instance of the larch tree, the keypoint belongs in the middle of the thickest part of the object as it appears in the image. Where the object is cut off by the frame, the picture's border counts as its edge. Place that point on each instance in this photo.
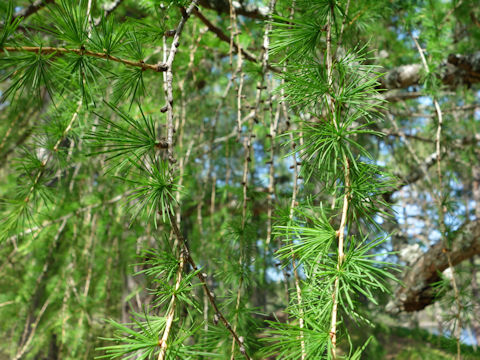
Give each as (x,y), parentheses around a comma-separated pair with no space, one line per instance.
(200,179)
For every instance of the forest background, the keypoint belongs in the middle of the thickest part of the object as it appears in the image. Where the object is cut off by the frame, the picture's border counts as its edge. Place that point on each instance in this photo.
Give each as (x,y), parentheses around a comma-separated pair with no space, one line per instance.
(240,179)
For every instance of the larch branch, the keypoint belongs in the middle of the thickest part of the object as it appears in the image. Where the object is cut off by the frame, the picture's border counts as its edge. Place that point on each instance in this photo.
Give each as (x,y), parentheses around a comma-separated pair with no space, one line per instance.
(60,51)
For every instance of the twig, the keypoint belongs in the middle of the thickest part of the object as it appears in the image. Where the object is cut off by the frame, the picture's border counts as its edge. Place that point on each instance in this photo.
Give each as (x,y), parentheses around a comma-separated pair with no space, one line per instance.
(441,207)
(20,353)
(293,204)
(59,51)
(171,307)
(346,196)
(341,257)
(168,87)
(422,165)
(340,37)
(298,289)
(107,10)
(208,292)
(32,8)
(222,36)
(169,76)
(247,147)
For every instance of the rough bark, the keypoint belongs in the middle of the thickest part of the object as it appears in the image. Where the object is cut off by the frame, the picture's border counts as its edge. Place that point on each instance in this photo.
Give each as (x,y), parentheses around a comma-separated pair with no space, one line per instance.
(454,71)
(417,292)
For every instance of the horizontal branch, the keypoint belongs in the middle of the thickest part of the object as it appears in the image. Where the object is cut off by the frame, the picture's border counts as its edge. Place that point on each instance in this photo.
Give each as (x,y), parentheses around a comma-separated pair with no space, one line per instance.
(32,8)
(454,71)
(63,51)
(244,8)
(416,173)
(417,291)
(226,38)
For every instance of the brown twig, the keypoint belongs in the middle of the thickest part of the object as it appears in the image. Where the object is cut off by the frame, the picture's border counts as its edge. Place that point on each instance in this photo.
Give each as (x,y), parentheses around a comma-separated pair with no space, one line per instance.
(59,51)
(441,207)
(226,38)
(32,8)
(168,87)
(171,307)
(208,292)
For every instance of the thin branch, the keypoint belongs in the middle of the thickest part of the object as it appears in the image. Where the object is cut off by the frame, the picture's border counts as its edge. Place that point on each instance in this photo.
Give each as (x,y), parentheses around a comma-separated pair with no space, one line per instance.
(412,152)
(298,288)
(20,353)
(168,87)
(171,307)
(293,204)
(107,10)
(208,292)
(346,196)
(169,76)
(59,51)
(341,258)
(32,8)
(226,38)
(247,144)
(441,207)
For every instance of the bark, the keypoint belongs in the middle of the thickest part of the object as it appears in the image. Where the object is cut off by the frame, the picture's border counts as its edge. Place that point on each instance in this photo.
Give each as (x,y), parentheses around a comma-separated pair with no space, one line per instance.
(417,292)
(244,8)
(454,71)
(32,8)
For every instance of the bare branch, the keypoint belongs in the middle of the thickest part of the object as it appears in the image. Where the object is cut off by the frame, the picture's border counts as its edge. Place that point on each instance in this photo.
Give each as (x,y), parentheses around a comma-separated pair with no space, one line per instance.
(454,71)
(226,38)
(208,292)
(32,8)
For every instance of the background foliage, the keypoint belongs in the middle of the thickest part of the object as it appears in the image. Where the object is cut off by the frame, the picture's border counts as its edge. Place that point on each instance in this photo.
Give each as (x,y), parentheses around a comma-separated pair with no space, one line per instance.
(221,179)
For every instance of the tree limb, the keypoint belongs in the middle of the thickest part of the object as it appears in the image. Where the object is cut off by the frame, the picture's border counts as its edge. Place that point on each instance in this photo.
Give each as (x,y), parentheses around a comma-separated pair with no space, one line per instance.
(455,71)
(32,8)
(417,292)
(243,8)
(222,36)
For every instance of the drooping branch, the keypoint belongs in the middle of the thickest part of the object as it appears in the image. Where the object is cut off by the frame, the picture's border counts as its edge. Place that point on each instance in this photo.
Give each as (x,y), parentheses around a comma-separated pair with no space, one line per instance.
(210,294)
(168,87)
(441,208)
(417,292)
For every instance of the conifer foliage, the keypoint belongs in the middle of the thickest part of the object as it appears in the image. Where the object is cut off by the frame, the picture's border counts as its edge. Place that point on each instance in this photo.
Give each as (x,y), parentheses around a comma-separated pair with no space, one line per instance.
(182,183)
